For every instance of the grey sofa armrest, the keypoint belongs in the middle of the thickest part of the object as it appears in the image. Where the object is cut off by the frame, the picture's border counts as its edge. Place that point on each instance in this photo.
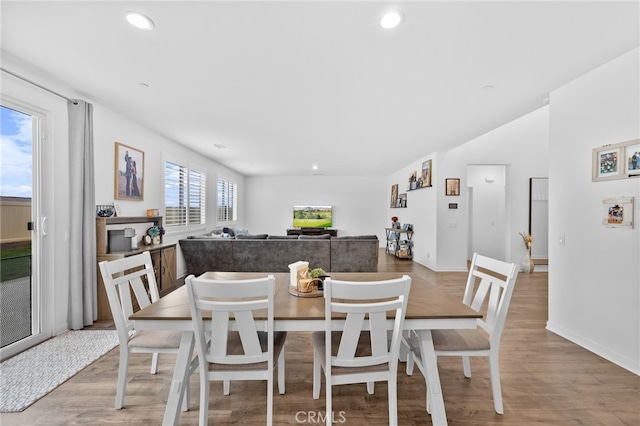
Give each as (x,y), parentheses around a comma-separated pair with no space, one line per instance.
(354,254)
(202,255)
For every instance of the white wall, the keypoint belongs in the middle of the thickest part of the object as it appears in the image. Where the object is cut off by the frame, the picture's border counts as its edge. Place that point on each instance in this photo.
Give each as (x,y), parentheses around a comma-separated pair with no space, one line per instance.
(594,279)
(358,202)
(441,239)
(109,127)
(421,210)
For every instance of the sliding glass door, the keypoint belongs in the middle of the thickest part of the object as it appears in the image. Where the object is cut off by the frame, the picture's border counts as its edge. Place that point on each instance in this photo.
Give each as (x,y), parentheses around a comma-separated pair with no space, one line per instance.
(20,302)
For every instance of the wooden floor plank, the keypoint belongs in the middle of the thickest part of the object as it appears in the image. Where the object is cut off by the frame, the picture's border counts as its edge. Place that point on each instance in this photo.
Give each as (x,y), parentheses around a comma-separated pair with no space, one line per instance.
(546,380)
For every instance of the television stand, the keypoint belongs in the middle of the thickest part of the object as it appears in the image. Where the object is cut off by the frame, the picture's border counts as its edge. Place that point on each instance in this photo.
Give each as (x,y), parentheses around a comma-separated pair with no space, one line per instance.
(312,231)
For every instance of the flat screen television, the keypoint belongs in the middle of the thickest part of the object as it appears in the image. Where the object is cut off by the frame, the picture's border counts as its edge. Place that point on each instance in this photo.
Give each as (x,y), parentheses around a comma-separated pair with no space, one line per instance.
(311,216)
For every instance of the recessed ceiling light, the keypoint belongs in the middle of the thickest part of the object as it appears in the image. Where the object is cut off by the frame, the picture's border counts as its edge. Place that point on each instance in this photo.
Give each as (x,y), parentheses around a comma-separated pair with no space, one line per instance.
(139,20)
(391,20)
(314,167)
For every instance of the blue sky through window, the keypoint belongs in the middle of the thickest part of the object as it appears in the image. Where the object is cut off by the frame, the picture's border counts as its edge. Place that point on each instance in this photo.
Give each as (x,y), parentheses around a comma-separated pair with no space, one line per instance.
(15,153)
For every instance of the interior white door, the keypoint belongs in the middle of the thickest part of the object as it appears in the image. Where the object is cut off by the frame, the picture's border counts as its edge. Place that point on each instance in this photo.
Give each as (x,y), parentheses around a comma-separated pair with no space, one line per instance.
(487,211)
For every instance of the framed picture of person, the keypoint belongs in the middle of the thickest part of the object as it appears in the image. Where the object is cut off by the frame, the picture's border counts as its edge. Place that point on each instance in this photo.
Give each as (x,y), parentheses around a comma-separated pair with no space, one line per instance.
(632,158)
(128,173)
(616,161)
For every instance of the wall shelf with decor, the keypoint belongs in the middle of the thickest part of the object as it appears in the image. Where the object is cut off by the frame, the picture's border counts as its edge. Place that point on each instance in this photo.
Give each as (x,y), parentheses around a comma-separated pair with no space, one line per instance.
(163,257)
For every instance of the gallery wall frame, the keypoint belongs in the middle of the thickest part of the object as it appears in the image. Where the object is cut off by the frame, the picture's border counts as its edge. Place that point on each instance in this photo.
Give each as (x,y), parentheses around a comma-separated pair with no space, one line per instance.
(394,195)
(452,186)
(128,173)
(426,173)
(618,212)
(616,161)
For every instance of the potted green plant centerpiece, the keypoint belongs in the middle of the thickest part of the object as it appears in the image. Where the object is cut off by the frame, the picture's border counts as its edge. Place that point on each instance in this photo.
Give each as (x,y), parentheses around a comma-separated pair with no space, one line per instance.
(319,275)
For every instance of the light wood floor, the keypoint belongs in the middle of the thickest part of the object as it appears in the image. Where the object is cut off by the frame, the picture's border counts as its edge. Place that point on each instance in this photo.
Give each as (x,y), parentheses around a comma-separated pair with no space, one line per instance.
(546,380)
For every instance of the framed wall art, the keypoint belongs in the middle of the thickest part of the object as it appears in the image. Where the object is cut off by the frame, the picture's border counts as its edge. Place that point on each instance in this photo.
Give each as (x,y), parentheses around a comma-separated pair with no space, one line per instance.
(616,161)
(426,173)
(632,158)
(394,195)
(129,173)
(618,212)
(402,200)
(452,186)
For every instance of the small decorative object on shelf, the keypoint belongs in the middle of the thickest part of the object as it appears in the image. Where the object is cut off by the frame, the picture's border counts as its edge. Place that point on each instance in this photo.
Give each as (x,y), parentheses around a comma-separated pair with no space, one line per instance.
(105,210)
(527,263)
(155,232)
(394,222)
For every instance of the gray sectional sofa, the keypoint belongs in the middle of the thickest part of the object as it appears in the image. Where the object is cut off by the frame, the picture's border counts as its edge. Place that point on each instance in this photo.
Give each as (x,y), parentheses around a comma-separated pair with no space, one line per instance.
(266,253)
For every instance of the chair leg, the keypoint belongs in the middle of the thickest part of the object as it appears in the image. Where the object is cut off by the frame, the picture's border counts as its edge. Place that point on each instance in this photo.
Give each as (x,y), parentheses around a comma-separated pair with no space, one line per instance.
(494,372)
(466,366)
(122,376)
(154,362)
(281,383)
(371,388)
(204,400)
(410,363)
(329,408)
(393,401)
(270,400)
(186,394)
(317,371)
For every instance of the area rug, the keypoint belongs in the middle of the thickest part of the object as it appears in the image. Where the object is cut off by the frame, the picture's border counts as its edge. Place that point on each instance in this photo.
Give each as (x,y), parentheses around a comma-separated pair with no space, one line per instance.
(29,376)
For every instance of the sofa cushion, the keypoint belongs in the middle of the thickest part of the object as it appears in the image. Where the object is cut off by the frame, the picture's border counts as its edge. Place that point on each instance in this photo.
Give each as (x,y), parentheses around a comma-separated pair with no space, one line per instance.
(358,237)
(277,255)
(316,237)
(282,237)
(252,237)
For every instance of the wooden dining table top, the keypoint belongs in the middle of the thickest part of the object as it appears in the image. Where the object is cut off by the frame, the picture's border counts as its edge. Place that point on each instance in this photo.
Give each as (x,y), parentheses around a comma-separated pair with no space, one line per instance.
(425,300)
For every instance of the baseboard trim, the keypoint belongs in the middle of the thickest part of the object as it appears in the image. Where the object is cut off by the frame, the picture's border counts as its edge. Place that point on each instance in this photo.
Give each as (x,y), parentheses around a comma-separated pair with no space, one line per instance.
(590,345)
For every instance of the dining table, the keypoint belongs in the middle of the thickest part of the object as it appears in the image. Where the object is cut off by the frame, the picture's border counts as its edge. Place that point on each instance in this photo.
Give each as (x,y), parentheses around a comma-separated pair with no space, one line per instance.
(428,308)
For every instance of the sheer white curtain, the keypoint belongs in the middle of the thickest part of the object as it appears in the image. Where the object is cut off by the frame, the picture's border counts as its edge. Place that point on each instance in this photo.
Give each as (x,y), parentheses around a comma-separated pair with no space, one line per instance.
(82,248)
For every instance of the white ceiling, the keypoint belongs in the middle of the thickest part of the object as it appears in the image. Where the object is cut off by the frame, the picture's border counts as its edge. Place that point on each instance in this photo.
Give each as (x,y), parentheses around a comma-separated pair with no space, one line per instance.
(286,85)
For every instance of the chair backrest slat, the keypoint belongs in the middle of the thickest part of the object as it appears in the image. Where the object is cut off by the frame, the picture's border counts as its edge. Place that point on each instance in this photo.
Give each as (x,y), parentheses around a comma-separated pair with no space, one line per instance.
(369,306)
(237,300)
(493,292)
(123,283)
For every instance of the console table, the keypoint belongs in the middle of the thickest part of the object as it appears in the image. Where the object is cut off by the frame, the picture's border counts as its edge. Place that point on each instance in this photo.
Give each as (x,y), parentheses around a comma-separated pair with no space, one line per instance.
(402,249)
(312,231)
(163,257)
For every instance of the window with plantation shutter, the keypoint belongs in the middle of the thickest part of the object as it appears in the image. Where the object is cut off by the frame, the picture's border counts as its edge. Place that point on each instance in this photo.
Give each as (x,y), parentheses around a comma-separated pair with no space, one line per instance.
(184,195)
(227,200)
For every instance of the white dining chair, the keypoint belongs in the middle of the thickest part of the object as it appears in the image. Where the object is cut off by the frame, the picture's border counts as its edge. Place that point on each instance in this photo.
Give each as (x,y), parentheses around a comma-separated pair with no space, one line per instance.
(125,279)
(242,343)
(489,288)
(354,347)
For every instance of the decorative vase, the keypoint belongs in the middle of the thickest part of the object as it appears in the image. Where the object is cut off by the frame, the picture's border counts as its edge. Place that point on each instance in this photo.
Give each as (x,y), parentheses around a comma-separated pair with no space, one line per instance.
(156,240)
(527,263)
